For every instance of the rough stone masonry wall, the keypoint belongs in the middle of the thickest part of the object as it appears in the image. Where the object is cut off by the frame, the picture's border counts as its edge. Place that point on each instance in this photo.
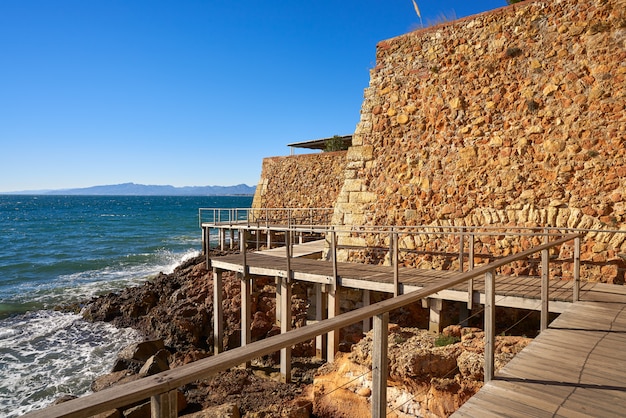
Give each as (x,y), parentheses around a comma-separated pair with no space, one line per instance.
(300,181)
(512,117)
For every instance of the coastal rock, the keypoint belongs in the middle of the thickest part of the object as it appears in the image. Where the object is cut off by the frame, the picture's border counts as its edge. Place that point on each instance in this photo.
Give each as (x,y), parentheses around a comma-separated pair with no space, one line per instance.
(113,413)
(111,379)
(156,364)
(437,379)
(141,351)
(64,398)
(139,411)
(221,411)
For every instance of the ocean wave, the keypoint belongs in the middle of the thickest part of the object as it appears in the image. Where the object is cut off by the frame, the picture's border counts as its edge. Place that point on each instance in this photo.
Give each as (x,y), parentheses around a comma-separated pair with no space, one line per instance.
(132,270)
(47,354)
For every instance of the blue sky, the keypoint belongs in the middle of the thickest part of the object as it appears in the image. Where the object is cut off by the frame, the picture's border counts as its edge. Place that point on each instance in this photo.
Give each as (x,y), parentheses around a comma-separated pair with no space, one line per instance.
(183,92)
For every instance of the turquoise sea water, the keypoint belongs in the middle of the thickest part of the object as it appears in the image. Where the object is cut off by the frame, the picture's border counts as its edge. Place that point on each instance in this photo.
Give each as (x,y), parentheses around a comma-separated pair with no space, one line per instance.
(63,249)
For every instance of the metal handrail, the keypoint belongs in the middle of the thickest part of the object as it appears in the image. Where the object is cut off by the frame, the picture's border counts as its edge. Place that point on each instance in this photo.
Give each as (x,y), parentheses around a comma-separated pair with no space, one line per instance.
(426,229)
(258,216)
(166,382)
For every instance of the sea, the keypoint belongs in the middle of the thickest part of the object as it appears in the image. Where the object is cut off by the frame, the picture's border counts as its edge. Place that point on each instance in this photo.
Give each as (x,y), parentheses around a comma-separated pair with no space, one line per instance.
(59,250)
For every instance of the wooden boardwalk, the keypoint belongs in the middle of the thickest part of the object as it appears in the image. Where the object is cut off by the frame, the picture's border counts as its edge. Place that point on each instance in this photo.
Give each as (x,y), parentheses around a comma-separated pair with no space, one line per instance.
(514,292)
(575,368)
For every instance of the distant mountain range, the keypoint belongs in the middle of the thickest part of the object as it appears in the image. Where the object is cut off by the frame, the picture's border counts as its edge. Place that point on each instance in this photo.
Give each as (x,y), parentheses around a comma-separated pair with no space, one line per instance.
(132,189)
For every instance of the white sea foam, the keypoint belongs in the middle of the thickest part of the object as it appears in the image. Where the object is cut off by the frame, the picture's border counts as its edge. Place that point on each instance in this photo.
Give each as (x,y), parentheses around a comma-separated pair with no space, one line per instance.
(46,354)
(87,284)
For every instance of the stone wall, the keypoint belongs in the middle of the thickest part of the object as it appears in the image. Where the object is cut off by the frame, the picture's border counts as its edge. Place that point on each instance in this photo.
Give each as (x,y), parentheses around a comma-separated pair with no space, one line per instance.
(300,181)
(512,117)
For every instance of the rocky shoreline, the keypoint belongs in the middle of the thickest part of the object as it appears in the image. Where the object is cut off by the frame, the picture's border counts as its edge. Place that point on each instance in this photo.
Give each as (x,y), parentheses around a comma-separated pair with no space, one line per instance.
(174,312)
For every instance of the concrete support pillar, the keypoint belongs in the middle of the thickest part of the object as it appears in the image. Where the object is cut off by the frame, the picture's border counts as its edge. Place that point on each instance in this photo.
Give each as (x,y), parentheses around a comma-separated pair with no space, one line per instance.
(269,239)
(320,315)
(246,309)
(285,325)
(366,302)
(434,321)
(218,314)
(221,237)
(333,311)
(277,280)
(463,314)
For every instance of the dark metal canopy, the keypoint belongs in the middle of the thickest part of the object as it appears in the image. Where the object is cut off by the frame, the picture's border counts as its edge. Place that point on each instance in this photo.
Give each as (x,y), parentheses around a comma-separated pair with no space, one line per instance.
(320,143)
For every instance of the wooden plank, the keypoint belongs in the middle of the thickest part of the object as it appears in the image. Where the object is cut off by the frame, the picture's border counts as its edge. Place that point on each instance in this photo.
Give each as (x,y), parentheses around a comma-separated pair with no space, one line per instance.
(580,401)
(562,372)
(489,399)
(540,401)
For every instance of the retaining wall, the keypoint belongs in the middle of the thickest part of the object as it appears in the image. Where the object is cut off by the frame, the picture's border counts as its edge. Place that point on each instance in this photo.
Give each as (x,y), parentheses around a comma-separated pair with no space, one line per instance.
(512,117)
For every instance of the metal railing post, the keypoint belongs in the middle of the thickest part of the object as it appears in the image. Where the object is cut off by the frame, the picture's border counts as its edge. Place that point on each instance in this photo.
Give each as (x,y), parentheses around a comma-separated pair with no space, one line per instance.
(490,324)
(576,296)
(333,254)
(461,249)
(545,283)
(242,249)
(288,253)
(394,262)
(206,245)
(470,282)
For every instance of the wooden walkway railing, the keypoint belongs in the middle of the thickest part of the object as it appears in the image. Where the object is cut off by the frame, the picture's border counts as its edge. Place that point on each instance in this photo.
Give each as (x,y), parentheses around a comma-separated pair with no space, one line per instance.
(161,388)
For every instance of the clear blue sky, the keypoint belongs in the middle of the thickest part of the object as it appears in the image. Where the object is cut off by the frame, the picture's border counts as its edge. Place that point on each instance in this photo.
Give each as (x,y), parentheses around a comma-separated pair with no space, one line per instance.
(183,92)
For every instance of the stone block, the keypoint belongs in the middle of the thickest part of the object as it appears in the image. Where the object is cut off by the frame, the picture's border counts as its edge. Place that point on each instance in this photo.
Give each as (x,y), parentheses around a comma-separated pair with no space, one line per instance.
(352,241)
(353,185)
(363,197)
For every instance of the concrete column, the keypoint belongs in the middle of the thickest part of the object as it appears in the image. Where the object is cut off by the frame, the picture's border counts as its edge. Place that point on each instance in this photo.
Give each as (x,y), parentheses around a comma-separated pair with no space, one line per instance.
(320,315)
(366,302)
(277,280)
(221,237)
(218,314)
(285,325)
(246,308)
(434,322)
(463,314)
(333,311)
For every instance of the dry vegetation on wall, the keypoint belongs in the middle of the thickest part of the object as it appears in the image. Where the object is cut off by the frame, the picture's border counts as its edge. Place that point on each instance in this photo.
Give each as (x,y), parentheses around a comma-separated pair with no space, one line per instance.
(514,117)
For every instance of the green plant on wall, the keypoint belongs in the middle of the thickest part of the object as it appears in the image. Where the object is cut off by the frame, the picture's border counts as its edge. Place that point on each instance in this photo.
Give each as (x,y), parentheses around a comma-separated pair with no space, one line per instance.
(443,340)
(335,143)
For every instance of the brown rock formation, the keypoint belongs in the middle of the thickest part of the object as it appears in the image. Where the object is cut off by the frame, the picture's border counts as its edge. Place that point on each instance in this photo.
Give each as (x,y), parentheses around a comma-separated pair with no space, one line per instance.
(424,379)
